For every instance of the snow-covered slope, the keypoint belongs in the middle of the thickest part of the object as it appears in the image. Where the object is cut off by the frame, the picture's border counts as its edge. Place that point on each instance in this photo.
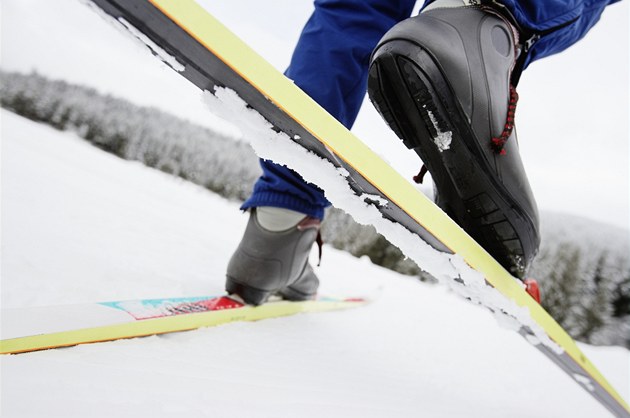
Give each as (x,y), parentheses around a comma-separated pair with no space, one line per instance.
(80,225)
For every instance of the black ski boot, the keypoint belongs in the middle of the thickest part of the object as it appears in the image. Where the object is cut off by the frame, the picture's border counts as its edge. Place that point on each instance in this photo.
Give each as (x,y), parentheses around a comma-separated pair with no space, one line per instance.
(441,80)
(269,262)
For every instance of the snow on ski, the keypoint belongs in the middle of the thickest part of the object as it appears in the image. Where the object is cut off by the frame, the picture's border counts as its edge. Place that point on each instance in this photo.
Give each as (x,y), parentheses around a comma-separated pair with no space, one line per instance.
(40,328)
(197,46)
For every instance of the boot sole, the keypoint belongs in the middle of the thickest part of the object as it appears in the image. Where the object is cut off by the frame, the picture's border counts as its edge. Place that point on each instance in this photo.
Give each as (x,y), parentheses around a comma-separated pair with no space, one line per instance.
(253,296)
(295,295)
(419,106)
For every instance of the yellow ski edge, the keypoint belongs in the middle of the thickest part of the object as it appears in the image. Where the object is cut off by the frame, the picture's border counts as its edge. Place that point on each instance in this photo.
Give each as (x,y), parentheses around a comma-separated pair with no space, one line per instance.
(177,323)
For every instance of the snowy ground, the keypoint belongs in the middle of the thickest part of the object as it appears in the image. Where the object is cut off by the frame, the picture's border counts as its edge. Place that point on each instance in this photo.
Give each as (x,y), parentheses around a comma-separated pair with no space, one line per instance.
(80,225)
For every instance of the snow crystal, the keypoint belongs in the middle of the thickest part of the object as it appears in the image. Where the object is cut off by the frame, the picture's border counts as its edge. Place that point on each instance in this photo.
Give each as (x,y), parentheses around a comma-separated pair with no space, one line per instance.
(449,269)
(532,339)
(507,322)
(585,381)
(374,198)
(443,139)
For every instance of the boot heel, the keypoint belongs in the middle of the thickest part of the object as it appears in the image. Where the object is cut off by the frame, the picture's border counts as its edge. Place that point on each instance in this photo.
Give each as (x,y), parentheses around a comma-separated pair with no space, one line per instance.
(295,295)
(250,295)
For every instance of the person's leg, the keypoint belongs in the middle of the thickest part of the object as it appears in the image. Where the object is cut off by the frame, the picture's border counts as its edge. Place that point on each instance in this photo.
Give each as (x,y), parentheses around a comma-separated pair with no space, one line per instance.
(553,26)
(330,64)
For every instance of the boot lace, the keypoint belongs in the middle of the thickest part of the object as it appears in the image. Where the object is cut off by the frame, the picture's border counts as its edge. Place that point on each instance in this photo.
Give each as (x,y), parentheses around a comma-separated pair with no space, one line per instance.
(418,178)
(498,143)
(320,246)
(315,223)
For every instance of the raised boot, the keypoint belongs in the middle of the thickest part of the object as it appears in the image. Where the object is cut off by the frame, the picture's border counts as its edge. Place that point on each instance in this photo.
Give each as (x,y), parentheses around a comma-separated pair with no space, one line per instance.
(272,258)
(441,80)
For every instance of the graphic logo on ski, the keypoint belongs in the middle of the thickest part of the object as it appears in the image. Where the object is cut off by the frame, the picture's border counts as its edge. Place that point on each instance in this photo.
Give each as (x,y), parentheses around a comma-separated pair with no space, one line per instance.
(159,308)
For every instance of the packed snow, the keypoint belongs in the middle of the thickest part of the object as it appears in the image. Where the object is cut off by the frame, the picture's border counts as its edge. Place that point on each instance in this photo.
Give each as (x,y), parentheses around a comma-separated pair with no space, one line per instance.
(80,225)
(443,139)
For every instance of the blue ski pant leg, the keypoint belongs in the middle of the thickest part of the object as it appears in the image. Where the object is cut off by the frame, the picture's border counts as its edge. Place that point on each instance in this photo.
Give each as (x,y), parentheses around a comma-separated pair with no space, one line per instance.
(330,63)
(552,25)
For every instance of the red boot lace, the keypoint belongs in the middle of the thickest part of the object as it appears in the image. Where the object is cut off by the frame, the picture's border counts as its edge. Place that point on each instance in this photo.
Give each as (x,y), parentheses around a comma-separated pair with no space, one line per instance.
(420,176)
(497,144)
